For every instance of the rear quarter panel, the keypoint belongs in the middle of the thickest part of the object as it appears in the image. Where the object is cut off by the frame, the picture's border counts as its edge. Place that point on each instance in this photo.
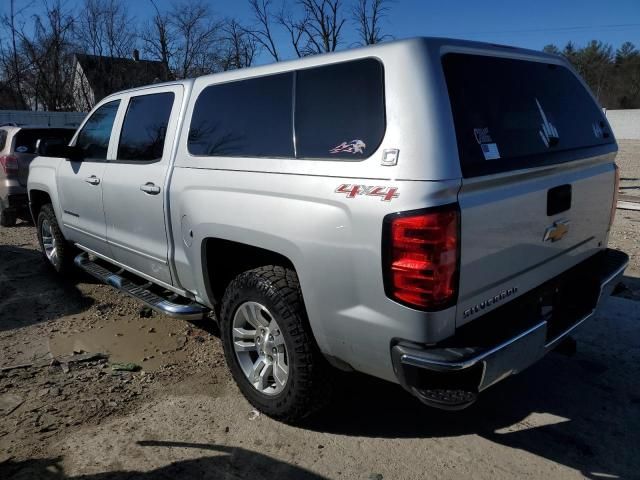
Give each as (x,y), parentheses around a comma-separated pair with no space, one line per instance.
(334,243)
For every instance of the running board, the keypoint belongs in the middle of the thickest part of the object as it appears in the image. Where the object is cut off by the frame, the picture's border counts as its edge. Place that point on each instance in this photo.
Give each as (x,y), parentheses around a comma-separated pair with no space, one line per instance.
(184,311)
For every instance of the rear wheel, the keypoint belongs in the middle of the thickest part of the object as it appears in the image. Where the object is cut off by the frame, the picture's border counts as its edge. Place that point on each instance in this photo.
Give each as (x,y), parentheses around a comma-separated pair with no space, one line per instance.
(57,252)
(7,218)
(269,347)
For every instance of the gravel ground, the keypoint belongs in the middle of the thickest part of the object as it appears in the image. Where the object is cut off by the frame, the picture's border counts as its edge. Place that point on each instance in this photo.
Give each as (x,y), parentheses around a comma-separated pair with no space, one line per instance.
(65,413)
(628,160)
(625,234)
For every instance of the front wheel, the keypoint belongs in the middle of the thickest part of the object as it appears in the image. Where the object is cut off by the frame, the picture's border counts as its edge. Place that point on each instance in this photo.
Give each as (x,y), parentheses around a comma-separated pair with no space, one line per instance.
(268,345)
(56,251)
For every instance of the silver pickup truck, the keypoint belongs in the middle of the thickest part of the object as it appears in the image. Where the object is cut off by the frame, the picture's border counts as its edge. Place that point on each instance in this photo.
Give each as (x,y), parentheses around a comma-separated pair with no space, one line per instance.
(431,212)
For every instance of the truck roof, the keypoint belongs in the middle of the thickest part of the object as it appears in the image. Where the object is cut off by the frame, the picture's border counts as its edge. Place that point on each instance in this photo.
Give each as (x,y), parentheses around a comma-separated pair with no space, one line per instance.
(350,54)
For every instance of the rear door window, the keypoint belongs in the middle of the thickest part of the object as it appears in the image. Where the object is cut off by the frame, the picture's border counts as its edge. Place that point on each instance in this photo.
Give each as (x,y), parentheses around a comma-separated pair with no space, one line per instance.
(145,127)
(248,118)
(340,110)
(512,114)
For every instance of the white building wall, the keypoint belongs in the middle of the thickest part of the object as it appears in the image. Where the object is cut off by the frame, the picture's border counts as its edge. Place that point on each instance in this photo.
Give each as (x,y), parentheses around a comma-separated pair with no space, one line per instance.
(625,123)
(51,119)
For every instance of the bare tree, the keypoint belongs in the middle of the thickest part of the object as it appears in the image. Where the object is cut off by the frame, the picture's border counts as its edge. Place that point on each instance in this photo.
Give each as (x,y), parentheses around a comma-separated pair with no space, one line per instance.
(158,39)
(89,29)
(105,28)
(314,26)
(323,25)
(120,29)
(197,33)
(17,68)
(186,38)
(49,52)
(368,15)
(262,31)
(295,27)
(12,63)
(238,47)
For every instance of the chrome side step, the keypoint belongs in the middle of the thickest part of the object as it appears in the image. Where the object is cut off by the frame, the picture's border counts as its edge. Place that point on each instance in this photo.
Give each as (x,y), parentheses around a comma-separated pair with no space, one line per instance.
(186,311)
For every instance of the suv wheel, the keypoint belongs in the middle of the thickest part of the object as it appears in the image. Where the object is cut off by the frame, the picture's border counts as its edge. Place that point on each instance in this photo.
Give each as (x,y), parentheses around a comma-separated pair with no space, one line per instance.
(55,249)
(268,346)
(7,218)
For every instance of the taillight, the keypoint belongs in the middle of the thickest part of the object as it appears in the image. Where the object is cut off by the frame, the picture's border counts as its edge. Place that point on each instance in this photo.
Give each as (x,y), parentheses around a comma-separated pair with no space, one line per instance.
(9,164)
(421,257)
(616,188)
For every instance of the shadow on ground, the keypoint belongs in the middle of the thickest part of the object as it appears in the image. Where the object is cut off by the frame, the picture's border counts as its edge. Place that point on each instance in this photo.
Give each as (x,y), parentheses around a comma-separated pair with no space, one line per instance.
(629,287)
(232,462)
(585,410)
(591,422)
(590,403)
(31,293)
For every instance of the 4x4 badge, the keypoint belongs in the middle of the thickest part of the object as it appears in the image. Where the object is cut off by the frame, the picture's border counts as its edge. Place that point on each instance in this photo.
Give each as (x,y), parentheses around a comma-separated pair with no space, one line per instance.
(556,231)
(387,193)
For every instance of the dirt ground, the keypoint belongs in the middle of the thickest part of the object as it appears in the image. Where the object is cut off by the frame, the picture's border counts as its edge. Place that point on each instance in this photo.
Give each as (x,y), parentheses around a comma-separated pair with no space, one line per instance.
(65,413)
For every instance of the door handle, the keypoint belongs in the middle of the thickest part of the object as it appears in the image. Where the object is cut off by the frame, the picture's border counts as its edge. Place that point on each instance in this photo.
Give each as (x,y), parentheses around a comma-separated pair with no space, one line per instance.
(150,188)
(93,180)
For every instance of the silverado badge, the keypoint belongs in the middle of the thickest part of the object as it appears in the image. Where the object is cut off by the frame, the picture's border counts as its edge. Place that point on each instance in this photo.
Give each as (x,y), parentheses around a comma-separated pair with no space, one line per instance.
(556,231)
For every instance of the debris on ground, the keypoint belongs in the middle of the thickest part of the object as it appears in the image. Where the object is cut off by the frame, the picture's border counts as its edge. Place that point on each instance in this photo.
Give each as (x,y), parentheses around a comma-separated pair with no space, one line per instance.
(125,367)
(253,414)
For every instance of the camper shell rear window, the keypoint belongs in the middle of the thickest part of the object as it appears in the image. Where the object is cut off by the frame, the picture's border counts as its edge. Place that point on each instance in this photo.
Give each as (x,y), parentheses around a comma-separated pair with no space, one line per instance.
(511,114)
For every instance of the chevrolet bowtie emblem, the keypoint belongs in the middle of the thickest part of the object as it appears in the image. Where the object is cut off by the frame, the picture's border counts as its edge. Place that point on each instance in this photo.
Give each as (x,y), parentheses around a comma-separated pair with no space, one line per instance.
(556,231)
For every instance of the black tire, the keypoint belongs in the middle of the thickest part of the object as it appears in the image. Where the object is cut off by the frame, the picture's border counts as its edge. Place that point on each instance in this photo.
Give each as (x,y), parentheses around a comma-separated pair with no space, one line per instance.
(308,387)
(63,263)
(7,218)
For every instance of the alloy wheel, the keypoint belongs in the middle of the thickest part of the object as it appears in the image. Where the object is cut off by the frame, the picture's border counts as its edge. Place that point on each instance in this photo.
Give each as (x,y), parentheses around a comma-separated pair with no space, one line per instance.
(260,348)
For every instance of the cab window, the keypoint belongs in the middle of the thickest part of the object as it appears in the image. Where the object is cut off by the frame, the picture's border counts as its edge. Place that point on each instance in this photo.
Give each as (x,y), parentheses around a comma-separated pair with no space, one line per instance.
(145,127)
(93,139)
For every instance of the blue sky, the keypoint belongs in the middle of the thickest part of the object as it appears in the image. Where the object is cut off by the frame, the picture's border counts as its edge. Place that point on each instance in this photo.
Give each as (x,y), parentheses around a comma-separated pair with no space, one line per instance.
(530,24)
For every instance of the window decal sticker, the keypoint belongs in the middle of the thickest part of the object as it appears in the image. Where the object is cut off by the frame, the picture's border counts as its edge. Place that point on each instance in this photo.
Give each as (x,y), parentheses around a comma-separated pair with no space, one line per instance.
(489,149)
(482,135)
(22,149)
(548,132)
(353,147)
(598,131)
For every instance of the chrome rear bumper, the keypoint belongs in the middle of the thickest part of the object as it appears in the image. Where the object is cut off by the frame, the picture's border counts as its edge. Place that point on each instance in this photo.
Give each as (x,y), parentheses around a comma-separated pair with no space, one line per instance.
(450,375)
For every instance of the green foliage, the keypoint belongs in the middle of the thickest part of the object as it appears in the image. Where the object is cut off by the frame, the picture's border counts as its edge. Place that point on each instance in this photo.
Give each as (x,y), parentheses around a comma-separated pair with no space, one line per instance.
(613,76)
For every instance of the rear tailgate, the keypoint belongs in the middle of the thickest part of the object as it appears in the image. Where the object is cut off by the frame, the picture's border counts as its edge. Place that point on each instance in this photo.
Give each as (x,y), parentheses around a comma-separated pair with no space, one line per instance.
(537,159)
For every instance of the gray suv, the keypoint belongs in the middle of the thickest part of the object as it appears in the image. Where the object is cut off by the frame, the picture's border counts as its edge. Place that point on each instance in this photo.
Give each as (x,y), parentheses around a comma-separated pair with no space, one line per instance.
(431,212)
(18,147)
